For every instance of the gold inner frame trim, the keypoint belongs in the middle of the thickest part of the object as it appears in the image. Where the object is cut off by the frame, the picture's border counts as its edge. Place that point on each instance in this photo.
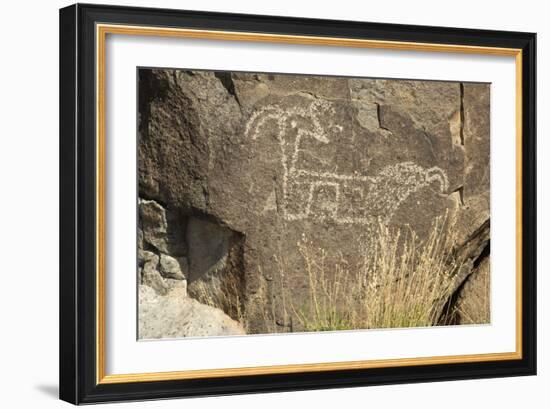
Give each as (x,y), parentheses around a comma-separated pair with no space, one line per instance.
(101,33)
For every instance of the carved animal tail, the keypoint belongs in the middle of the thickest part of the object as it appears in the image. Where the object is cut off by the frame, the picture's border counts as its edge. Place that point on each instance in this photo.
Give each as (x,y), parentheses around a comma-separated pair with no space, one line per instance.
(259,118)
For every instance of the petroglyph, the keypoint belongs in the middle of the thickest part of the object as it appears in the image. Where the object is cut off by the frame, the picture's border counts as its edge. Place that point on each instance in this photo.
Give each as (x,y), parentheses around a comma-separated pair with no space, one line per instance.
(324,195)
(279,189)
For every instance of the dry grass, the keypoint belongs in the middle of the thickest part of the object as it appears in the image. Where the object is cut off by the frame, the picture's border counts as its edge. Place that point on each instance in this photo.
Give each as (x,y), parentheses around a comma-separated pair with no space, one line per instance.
(401,282)
(223,294)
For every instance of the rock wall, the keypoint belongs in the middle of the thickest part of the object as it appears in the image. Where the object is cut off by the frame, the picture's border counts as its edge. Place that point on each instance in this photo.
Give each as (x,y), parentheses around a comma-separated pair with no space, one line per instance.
(236,168)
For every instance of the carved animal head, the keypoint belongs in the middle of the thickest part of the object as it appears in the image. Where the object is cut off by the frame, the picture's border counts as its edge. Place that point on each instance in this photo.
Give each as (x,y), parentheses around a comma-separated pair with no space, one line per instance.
(411,176)
(316,121)
(313,120)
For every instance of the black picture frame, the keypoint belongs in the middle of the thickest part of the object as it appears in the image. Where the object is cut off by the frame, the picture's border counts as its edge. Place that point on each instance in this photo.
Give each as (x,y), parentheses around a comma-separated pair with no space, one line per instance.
(78,198)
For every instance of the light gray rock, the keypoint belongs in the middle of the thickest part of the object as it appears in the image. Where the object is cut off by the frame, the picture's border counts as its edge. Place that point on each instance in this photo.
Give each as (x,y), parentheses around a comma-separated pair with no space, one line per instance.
(139,236)
(176,284)
(153,222)
(150,275)
(171,267)
(175,315)
(145,256)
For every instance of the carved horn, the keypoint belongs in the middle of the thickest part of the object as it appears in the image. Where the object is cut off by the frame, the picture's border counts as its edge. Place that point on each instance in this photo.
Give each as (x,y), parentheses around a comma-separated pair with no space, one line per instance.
(437,174)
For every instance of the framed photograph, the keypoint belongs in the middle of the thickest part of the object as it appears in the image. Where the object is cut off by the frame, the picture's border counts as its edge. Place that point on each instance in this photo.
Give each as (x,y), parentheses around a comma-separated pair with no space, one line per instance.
(257,203)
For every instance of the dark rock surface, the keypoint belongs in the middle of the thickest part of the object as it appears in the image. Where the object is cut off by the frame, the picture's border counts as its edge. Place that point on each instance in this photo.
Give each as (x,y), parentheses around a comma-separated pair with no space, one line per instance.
(234,169)
(473,299)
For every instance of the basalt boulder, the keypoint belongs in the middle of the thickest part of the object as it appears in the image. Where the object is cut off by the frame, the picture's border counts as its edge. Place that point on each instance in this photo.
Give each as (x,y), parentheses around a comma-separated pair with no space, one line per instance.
(235,169)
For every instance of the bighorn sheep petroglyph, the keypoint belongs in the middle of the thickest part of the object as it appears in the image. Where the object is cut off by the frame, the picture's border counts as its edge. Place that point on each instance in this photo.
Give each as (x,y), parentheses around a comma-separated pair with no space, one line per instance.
(322,195)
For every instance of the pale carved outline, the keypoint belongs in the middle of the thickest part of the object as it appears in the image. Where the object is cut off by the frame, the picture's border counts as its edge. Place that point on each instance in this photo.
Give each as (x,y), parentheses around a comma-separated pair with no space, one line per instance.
(384,192)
